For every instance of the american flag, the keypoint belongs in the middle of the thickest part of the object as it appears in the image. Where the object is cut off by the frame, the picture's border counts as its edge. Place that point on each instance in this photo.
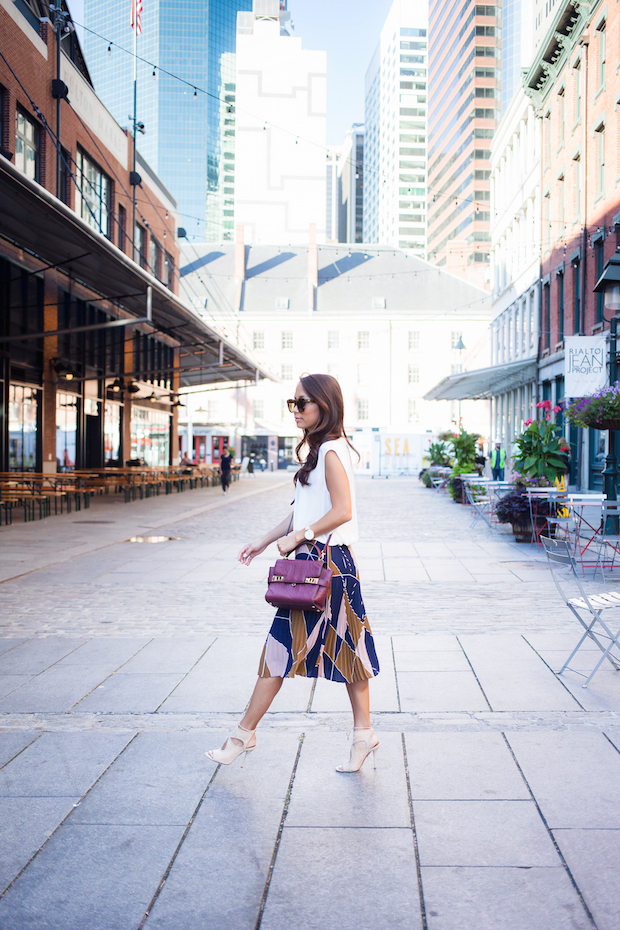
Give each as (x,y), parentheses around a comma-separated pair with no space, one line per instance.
(136,16)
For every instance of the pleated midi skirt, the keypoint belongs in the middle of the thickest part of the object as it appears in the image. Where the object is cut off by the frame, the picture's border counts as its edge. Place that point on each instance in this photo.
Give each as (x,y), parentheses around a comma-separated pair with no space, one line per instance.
(337,643)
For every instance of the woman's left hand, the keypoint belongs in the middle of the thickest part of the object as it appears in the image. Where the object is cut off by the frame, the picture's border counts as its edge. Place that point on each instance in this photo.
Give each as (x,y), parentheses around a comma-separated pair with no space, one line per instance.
(286,544)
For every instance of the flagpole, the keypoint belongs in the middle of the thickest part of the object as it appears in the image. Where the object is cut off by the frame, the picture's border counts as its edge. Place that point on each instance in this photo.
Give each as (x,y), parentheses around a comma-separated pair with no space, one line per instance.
(135,118)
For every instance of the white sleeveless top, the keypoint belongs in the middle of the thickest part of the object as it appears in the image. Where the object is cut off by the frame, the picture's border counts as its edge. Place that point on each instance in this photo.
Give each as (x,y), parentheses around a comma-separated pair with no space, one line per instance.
(313,501)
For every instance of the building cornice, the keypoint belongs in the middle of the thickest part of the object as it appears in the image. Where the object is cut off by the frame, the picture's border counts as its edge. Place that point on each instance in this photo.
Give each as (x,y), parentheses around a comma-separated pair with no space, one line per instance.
(570,20)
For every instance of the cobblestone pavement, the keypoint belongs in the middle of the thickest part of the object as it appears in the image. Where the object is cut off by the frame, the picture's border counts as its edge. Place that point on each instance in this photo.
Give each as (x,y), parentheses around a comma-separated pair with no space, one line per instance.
(492,807)
(422,568)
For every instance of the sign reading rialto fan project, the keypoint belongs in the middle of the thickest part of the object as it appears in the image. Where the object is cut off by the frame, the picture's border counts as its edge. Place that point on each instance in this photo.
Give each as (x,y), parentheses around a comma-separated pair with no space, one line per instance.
(585,365)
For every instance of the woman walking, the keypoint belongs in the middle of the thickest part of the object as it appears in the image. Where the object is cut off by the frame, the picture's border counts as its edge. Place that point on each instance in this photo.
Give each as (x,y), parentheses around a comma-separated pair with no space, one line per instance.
(336,644)
(225,466)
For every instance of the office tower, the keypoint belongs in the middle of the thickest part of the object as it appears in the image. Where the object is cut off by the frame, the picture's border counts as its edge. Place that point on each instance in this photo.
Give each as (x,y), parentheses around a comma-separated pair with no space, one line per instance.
(351,186)
(332,194)
(395,136)
(189,127)
(280,130)
(464,106)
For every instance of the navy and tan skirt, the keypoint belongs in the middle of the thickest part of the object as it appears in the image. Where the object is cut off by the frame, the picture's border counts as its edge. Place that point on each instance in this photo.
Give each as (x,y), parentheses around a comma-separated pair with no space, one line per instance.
(337,643)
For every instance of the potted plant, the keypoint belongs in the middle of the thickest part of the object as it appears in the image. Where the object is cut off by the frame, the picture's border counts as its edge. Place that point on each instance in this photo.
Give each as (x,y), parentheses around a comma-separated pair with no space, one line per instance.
(437,454)
(599,411)
(514,508)
(540,451)
(465,452)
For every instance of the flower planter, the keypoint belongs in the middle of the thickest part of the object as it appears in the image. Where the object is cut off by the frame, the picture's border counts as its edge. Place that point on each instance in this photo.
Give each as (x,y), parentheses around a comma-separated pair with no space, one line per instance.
(523,531)
(606,424)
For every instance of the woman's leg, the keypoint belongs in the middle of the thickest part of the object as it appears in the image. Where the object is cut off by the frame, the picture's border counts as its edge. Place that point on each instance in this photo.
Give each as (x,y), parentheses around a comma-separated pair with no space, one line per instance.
(359,695)
(264,692)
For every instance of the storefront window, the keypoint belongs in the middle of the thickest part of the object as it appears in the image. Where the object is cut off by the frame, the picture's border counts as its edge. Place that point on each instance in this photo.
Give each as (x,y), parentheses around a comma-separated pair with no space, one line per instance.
(66,430)
(23,403)
(150,436)
(112,434)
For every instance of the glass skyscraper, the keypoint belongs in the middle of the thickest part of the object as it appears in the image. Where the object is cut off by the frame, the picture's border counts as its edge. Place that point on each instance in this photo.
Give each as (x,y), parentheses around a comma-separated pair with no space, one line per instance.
(189,134)
(464,99)
(394,202)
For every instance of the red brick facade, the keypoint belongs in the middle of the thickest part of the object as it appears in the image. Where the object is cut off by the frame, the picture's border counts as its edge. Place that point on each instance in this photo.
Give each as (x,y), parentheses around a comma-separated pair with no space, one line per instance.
(31,55)
(575,83)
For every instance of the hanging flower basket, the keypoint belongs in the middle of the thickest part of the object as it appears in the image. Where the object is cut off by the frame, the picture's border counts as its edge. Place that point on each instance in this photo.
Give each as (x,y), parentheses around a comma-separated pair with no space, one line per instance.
(598,411)
(606,424)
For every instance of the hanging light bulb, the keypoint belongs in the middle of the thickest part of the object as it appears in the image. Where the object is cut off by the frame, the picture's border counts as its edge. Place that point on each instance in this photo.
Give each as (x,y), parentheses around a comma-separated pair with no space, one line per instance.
(195,93)
(166,214)
(110,48)
(153,74)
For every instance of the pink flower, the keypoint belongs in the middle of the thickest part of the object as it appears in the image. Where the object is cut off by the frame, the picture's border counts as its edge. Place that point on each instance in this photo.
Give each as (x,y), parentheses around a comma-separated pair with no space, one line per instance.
(545,405)
(557,409)
(528,422)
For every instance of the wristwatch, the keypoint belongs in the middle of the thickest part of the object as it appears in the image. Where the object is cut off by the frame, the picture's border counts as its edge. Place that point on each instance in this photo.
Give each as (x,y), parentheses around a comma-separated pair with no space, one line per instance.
(309,535)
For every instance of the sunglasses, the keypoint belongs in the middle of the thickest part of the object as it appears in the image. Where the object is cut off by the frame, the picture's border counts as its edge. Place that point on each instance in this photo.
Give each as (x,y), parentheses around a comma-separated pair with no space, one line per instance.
(299,402)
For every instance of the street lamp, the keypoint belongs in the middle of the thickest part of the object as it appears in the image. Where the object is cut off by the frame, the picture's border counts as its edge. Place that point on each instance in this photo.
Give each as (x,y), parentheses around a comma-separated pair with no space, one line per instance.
(609,285)
(460,347)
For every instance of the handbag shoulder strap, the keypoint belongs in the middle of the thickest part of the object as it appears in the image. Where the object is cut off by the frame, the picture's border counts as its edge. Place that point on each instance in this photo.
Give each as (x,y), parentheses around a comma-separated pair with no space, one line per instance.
(305,542)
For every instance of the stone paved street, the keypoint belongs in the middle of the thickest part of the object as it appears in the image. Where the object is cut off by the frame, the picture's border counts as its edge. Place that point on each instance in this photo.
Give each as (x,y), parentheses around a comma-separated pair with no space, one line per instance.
(493,805)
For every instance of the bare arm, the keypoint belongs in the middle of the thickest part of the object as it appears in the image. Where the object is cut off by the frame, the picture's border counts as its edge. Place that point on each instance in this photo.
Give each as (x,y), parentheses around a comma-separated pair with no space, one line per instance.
(340,494)
(250,550)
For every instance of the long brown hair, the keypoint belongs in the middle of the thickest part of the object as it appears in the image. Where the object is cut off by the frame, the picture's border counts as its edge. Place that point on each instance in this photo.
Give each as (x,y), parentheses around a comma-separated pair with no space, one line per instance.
(325,391)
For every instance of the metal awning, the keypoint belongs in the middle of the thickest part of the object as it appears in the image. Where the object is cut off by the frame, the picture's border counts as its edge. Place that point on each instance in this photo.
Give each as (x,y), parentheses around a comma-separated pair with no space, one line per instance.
(485,382)
(33,219)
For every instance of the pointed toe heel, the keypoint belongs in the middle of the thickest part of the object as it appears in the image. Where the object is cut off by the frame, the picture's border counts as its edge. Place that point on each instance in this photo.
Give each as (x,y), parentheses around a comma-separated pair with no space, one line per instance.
(238,743)
(364,742)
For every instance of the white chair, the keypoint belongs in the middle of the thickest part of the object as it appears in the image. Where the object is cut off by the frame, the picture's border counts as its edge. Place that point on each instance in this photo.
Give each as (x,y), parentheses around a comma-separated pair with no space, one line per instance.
(481,506)
(587,608)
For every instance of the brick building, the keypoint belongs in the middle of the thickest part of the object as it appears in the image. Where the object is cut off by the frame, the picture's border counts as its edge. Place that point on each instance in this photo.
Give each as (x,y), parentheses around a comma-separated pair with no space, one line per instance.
(91,356)
(574,83)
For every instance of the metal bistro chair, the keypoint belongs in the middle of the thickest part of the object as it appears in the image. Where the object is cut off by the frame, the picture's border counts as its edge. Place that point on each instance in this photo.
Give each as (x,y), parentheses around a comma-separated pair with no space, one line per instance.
(481,506)
(557,500)
(609,534)
(587,608)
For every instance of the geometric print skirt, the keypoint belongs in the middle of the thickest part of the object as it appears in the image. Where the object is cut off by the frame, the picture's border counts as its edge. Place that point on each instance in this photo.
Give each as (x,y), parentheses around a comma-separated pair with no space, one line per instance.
(336,643)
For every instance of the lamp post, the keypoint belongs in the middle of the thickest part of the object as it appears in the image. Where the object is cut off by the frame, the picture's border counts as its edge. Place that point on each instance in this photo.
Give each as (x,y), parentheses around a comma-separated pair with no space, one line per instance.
(609,285)
(460,347)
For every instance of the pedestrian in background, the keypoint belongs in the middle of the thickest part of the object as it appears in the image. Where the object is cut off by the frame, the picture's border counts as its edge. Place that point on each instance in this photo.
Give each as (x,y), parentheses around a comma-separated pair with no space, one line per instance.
(498,462)
(226,460)
(337,643)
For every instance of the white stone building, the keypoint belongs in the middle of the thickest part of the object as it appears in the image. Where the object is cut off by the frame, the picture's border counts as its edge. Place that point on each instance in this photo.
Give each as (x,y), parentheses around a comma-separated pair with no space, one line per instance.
(385,323)
(395,141)
(509,383)
(280,150)
(515,255)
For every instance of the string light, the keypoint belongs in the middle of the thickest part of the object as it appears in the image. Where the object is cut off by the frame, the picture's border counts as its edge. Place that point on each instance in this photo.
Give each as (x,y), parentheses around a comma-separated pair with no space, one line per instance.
(195,93)
(110,48)
(153,74)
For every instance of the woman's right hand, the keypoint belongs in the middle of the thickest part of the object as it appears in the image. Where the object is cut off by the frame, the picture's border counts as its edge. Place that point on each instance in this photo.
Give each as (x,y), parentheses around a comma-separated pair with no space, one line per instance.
(250,550)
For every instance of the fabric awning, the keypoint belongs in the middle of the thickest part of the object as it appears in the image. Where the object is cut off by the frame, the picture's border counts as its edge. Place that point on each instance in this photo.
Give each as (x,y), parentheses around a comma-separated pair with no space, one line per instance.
(485,382)
(33,219)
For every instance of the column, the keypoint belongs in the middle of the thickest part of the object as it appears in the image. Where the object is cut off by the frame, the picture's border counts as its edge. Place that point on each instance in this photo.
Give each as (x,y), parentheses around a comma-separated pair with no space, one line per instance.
(174,429)
(50,351)
(127,399)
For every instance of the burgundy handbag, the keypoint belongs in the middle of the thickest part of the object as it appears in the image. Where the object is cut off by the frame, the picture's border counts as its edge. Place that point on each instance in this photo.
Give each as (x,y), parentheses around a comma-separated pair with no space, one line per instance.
(299,584)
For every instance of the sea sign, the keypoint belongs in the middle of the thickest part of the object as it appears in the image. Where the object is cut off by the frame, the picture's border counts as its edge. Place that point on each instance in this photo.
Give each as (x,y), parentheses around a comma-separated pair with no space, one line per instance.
(585,365)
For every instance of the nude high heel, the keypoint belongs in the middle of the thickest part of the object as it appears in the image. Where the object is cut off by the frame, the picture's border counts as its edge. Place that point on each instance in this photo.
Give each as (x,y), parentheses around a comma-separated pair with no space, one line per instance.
(237,743)
(364,742)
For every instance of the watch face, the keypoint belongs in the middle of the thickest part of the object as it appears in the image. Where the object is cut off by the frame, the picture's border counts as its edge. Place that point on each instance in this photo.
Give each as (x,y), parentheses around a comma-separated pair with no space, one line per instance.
(309,534)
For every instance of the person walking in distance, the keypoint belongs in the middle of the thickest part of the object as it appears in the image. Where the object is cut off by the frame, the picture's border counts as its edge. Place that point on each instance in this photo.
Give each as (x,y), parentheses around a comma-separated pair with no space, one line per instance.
(337,643)
(498,462)
(226,460)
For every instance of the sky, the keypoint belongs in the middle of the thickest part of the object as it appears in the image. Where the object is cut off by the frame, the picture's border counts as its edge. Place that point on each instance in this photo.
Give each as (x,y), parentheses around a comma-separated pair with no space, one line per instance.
(348,30)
